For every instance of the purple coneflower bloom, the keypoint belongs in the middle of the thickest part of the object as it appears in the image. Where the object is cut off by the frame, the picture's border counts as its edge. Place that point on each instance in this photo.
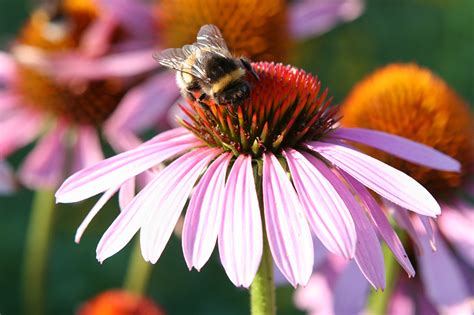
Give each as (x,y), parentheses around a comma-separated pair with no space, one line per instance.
(277,162)
(412,102)
(259,30)
(64,114)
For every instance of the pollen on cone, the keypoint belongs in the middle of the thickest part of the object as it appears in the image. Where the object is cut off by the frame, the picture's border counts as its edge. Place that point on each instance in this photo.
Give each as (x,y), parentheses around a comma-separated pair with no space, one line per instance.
(412,102)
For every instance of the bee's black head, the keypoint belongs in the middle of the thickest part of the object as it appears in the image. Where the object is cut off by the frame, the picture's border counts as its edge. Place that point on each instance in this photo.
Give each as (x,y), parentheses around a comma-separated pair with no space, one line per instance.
(234,94)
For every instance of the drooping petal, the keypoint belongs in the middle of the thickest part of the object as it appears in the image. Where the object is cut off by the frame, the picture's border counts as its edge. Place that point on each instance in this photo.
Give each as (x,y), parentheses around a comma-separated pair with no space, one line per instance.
(204,214)
(400,147)
(429,230)
(107,173)
(385,180)
(240,237)
(135,215)
(458,230)
(327,213)
(7,180)
(287,228)
(311,18)
(403,220)
(8,104)
(7,67)
(145,104)
(93,212)
(126,64)
(126,193)
(12,137)
(97,37)
(382,224)
(441,274)
(166,199)
(368,254)
(45,166)
(87,149)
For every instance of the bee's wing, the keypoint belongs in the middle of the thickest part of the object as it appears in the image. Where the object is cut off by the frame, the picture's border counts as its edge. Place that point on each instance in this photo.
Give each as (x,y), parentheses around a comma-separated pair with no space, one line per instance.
(174,57)
(209,36)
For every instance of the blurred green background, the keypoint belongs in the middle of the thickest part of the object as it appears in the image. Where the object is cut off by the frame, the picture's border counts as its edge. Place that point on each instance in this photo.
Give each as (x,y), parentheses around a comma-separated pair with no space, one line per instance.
(437,34)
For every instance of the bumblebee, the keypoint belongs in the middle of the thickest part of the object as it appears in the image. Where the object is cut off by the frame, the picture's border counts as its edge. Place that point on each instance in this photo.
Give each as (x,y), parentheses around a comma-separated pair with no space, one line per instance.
(207,68)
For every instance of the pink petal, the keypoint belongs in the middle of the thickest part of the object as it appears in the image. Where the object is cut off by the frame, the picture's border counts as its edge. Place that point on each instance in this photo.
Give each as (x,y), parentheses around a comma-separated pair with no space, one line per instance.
(368,255)
(126,193)
(403,219)
(325,210)
(45,166)
(108,173)
(8,104)
(87,149)
(204,214)
(126,64)
(97,38)
(286,225)
(429,230)
(7,67)
(441,275)
(166,198)
(382,224)
(401,302)
(313,17)
(351,291)
(317,297)
(380,177)
(240,236)
(400,147)
(93,212)
(145,105)
(136,17)
(7,181)
(135,215)
(458,230)
(12,137)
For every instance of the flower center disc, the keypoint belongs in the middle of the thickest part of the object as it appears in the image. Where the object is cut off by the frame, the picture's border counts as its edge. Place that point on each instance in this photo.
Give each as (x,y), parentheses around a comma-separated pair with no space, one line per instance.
(283,110)
(61,29)
(257,29)
(411,102)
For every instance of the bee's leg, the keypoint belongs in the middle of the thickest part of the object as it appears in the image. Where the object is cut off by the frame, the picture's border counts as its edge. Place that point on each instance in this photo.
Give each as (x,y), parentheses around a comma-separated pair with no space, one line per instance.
(249,68)
(200,100)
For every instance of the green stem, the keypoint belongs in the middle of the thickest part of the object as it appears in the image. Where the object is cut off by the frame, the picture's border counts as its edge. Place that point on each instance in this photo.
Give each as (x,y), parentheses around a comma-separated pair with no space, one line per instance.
(262,290)
(138,273)
(38,238)
(378,301)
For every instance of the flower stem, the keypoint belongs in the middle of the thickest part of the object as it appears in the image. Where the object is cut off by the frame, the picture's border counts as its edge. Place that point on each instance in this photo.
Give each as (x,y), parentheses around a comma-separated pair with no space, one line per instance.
(138,273)
(378,301)
(262,290)
(38,238)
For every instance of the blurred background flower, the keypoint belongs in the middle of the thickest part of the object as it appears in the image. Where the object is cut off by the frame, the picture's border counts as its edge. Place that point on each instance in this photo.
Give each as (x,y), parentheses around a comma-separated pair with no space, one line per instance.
(118,302)
(387,32)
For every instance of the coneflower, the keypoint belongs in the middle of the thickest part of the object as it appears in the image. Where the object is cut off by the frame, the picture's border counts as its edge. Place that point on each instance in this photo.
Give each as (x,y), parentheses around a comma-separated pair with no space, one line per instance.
(271,171)
(410,101)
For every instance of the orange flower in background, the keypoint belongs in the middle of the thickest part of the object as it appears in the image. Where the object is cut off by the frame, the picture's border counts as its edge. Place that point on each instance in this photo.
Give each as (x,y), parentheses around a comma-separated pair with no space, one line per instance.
(117,302)
(412,102)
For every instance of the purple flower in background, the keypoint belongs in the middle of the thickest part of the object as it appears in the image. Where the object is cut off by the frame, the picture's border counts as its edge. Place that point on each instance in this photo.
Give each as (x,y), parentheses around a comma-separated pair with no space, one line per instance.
(65,115)
(278,162)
